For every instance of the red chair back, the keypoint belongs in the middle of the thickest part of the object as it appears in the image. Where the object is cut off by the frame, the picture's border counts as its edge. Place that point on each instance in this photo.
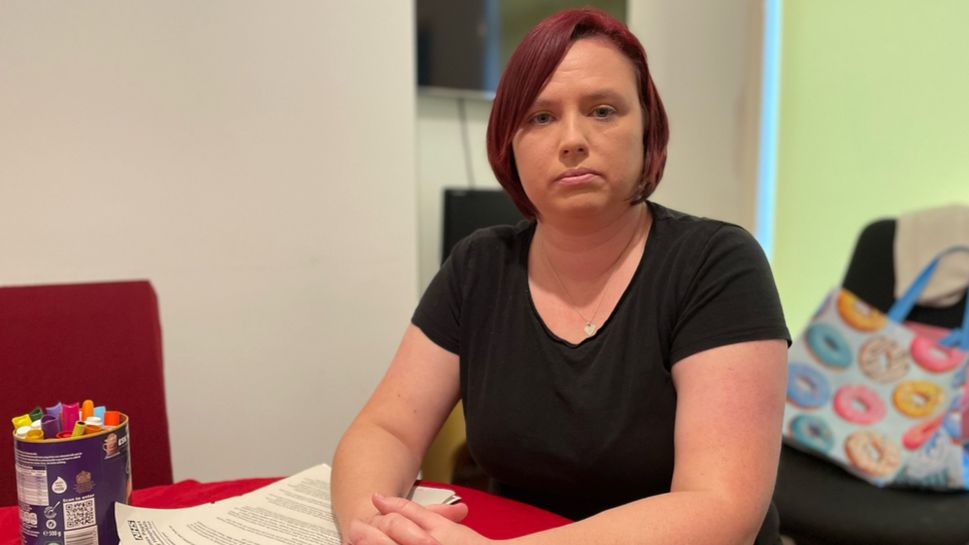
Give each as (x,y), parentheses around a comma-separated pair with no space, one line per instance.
(98,341)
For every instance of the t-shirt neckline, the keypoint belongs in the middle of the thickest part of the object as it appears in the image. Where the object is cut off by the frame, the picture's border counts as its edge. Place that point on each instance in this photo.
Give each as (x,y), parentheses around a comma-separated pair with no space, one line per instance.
(600,332)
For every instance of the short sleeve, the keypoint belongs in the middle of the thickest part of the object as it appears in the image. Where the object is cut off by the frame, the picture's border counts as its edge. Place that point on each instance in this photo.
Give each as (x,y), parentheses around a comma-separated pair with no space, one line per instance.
(730,297)
(438,313)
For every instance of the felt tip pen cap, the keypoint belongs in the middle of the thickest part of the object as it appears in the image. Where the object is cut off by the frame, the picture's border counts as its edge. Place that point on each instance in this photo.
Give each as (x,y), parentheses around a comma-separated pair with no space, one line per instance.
(87,409)
(69,415)
(35,425)
(35,435)
(63,434)
(36,414)
(21,421)
(99,412)
(55,410)
(91,428)
(50,425)
(112,418)
(78,429)
(92,421)
(22,431)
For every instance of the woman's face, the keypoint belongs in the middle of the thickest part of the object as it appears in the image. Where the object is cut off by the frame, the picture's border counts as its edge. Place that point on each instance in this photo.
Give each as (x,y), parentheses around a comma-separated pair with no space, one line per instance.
(580,150)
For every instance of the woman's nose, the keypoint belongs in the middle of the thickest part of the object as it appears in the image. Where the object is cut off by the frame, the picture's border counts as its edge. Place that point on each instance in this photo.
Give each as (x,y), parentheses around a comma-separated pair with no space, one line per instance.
(573,138)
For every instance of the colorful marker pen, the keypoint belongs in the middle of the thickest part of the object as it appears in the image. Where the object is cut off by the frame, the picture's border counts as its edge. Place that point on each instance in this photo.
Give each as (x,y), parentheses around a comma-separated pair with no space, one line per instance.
(99,412)
(22,432)
(69,415)
(64,434)
(50,425)
(87,409)
(21,421)
(55,410)
(35,435)
(78,429)
(36,414)
(112,418)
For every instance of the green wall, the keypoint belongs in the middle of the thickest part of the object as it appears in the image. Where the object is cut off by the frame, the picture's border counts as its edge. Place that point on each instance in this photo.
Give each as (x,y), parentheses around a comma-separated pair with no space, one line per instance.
(874,122)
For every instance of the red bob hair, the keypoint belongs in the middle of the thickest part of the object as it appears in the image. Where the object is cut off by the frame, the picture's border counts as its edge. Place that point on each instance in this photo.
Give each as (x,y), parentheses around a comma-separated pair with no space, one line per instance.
(529,69)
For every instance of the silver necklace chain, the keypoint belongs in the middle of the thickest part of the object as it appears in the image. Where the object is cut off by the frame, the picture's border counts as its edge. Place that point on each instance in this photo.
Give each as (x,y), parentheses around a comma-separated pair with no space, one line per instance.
(590,327)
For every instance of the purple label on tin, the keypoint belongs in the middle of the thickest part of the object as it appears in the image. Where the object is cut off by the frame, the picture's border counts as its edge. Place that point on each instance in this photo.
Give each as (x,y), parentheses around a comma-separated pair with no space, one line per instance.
(68,487)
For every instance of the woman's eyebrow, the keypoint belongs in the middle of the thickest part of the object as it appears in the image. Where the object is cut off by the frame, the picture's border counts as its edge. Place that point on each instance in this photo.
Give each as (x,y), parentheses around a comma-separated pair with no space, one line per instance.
(605,95)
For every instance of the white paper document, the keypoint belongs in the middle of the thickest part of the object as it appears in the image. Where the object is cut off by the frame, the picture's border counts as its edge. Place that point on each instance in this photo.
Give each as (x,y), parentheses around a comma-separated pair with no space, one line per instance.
(292,511)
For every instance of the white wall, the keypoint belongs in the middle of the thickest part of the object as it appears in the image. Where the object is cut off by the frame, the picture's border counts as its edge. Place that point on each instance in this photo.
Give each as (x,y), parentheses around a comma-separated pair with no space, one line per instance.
(443,161)
(256,162)
(704,56)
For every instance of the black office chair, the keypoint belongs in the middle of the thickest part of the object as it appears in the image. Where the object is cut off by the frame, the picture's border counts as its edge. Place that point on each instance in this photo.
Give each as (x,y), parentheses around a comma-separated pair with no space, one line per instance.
(465,211)
(820,503)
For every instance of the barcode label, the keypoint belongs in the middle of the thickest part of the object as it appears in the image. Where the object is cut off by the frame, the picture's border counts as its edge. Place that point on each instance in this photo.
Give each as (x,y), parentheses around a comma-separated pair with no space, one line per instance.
(32,485)
(78,514)
(87,536)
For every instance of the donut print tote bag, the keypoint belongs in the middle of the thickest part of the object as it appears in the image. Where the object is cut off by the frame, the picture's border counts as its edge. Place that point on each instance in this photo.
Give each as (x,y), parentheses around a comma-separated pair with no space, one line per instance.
(880,398)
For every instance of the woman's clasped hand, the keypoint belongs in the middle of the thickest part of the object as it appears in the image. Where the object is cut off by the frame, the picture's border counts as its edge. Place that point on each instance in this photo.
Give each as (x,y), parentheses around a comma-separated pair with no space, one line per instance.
(400,521)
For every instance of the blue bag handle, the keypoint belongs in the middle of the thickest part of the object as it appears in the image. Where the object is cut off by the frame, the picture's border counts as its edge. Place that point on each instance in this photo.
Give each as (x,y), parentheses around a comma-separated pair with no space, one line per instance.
(904,305)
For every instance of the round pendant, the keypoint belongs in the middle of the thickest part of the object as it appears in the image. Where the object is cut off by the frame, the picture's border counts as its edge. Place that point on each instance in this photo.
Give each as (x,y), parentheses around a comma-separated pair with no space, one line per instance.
(590,329)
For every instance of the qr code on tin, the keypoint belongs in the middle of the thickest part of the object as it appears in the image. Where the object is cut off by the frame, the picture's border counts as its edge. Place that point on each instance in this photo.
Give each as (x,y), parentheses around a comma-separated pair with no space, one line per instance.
(78,514)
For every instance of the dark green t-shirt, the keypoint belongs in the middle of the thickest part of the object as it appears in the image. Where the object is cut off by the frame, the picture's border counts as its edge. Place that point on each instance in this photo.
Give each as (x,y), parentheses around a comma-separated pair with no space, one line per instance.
(577,429)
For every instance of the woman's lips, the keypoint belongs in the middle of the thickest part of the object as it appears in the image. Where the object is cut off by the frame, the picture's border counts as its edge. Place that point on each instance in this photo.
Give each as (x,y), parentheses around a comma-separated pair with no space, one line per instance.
(576,176)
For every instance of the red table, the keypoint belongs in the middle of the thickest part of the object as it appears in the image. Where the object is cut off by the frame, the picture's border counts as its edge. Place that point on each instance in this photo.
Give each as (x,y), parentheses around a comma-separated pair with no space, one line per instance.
(493,517)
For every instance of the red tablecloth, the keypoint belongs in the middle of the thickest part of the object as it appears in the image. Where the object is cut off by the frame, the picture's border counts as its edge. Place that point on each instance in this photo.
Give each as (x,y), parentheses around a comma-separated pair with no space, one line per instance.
(490,515)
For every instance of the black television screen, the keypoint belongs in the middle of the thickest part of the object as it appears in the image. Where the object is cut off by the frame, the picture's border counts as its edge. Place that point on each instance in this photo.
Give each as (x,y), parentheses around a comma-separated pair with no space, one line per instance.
(464,44)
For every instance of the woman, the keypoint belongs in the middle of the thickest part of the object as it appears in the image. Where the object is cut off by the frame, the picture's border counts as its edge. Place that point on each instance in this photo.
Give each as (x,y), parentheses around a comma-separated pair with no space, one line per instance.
(620,363)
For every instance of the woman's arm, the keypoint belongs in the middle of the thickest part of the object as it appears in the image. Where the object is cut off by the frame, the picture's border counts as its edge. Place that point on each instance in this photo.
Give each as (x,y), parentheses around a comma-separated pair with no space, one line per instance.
(730,405)
(729,412)
(383,447)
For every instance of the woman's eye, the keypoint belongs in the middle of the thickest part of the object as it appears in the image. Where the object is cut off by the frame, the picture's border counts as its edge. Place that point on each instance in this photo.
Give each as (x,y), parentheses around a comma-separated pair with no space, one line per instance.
(603,112)
(543,118)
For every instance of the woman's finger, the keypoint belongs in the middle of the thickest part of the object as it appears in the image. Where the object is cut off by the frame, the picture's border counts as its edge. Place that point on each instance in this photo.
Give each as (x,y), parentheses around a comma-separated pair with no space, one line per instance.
(411,510)
(454,512)
(403,530)
(361,533)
